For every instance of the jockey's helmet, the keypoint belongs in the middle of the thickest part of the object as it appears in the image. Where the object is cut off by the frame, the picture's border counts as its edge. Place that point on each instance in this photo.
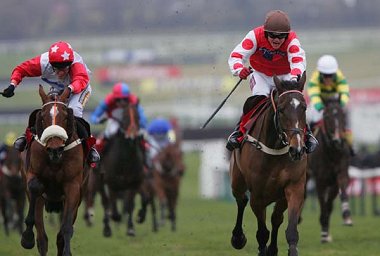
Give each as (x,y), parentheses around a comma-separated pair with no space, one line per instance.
(120,90)
(277,21)
(61,54)
(327,64)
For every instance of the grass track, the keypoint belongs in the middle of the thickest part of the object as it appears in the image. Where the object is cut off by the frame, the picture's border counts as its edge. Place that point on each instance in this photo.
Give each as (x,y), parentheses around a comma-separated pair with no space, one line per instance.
(204,228)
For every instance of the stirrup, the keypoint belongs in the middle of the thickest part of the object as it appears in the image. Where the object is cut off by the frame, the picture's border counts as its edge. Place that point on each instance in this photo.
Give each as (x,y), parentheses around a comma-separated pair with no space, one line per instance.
(233,142)
(311,143)
(93,156)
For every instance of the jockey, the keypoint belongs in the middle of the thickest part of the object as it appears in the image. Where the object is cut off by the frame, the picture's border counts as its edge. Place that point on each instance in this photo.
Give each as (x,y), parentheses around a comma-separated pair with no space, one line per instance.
(271,49)
(161,133)
(111,106)
(327,80)
(161,130)
(61,67)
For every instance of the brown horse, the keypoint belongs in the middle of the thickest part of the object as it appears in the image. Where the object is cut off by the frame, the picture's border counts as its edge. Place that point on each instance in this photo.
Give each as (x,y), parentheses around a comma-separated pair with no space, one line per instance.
(122,166)
(329,165)
(169,169)
(271,165)
(12,189)
(55,173)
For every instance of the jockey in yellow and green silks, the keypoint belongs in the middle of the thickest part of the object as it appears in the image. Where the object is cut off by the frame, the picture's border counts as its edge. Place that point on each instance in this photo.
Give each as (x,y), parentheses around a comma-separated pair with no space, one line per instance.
(325,81)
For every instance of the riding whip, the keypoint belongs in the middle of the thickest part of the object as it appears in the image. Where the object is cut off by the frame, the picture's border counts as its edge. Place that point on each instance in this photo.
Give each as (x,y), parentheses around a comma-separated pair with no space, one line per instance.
(221,104)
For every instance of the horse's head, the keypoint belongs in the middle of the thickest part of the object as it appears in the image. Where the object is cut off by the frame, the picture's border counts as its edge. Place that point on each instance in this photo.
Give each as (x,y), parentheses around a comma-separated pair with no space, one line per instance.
(55,123)
(334,120)
(171,160)
(290,114)
(130,122)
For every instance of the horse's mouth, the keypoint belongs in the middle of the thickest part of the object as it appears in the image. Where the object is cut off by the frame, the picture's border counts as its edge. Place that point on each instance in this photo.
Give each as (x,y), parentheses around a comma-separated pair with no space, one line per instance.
(55,154)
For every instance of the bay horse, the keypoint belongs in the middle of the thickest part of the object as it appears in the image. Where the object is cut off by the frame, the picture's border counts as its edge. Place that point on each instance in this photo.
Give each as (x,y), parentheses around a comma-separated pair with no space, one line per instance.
(271,166)
(122,167)
(56,172)
(12,189)
(329,164)
(169,169)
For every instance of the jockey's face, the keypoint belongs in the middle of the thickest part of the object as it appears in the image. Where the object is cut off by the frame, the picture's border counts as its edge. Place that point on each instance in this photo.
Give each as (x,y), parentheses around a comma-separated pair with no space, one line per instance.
(121,102)
(61,72)
(328,79)
(276,39)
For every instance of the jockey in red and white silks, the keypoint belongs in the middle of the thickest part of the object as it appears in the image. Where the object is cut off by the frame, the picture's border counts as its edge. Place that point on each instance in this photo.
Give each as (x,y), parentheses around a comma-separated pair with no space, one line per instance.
(286,62)
(76,76)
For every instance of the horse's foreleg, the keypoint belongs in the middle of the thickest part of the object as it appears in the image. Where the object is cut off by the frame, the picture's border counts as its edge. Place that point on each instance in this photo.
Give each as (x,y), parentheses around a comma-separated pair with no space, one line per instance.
(107,232)
(294,194)
(239,188)
(72,193)
(262,233)
(343,181)
(35,189)
(326,196)
(172,203)
(42,239)
(276,219)
(130,205)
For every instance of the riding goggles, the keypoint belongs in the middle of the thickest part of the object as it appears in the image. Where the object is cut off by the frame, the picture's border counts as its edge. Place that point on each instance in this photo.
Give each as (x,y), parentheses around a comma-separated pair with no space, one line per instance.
(276,35)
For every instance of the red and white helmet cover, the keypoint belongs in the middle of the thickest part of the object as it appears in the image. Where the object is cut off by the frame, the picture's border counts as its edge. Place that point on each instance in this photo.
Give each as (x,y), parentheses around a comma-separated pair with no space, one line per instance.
(61,52)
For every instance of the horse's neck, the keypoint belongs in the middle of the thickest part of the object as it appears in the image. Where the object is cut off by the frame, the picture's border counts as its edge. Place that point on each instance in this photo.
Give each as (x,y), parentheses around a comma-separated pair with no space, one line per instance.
(265,129)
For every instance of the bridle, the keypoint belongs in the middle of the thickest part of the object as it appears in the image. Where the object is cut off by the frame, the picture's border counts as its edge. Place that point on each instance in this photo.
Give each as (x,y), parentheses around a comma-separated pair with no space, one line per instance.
(279,129)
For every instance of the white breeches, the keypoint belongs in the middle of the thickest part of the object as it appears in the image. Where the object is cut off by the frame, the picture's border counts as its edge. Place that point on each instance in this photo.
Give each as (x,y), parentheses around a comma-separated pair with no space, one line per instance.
(262,84)
(78,101)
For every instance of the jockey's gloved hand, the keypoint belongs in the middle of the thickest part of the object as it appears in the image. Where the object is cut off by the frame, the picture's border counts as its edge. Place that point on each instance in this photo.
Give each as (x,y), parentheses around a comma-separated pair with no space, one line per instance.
(9,91)
(244,73)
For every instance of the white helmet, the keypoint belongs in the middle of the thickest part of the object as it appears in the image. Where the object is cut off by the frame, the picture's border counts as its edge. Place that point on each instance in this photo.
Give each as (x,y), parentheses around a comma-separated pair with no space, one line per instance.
(327,64)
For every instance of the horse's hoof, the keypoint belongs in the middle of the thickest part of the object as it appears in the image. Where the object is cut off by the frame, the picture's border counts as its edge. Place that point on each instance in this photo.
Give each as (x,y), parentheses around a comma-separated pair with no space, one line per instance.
(27,240)
(131,232)
(238,242)
(326,239)
(348,222)
(107,232)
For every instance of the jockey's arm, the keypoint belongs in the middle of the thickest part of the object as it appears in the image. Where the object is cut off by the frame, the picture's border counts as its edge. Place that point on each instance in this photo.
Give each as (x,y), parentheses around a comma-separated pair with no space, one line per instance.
(98,112)
(143,119)
(29,68)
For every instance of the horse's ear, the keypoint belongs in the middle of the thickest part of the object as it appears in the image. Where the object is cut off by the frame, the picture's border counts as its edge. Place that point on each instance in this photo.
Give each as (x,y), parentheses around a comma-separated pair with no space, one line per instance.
(65,95)
(70,122)
(302,81)
(39,127)
(277,81)
(43,95)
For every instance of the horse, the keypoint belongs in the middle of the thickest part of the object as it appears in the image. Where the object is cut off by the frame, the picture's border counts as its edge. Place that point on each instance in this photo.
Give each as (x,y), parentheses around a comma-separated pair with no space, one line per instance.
(56,172)
(122,167)
(271,165)
(168,171)
(12,190)
(329,165)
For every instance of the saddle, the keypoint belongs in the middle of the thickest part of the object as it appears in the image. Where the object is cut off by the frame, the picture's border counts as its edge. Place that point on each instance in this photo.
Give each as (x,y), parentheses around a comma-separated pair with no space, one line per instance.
(253,108)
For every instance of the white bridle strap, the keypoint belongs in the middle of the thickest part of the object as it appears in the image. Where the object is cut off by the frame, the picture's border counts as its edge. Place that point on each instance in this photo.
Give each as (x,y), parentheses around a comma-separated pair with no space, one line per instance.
(260,146)
(68,147)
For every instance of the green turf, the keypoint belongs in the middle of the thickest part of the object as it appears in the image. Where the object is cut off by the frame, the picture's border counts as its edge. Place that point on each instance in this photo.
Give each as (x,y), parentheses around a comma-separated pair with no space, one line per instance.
(204,228)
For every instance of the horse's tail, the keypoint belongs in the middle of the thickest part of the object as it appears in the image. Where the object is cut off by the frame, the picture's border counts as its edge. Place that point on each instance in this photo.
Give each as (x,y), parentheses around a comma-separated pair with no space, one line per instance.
(54,206)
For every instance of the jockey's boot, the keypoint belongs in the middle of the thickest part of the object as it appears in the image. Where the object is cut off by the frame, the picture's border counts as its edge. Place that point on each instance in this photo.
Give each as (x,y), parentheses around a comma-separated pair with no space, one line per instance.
(233,141)
(349,139)
(93,156)
(20,143)
(311,143)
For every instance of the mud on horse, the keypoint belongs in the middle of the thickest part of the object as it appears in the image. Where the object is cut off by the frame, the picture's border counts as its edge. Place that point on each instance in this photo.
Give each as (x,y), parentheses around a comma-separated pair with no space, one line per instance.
(271,165)
(55,173)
